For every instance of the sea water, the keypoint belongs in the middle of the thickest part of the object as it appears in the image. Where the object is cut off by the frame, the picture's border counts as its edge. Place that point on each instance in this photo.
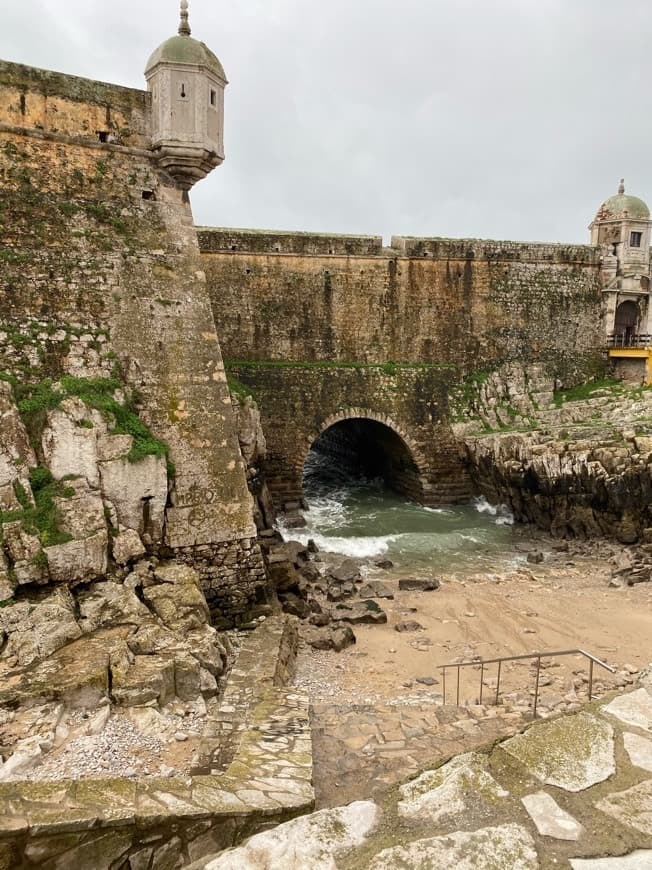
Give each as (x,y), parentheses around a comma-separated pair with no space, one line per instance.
(361,519)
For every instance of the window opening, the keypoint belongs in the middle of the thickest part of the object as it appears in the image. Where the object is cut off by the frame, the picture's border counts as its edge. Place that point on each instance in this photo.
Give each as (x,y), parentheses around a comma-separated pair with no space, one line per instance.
(213,97)
(183,91)
(635,240)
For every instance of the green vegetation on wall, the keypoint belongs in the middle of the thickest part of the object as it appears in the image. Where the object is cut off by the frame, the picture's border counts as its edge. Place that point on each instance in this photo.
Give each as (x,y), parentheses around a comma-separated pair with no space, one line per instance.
(106,395)
(40,518)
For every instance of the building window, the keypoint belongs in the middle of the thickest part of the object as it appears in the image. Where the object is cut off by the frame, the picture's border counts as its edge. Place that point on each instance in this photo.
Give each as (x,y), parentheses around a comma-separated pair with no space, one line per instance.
(213,98)
(183,92)
(635,240)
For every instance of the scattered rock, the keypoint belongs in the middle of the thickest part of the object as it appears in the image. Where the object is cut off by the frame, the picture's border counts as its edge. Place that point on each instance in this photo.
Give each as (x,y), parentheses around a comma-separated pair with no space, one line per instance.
(535,557)
(427,681)
(408,626)
(359,613)
(416,585)
(376,589)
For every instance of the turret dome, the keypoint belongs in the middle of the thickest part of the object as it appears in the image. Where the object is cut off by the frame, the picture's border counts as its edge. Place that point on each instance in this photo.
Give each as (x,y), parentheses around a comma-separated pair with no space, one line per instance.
(186,51)
(622,206)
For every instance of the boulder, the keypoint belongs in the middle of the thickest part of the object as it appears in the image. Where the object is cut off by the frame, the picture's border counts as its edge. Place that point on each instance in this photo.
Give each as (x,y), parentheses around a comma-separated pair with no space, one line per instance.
(376,589)
(187,677)
(206,646)
(127,547)
(177,599)
(340,591)
(8,583)
(359,613)
(147,679)
(283,573)
(415,585)
(36,629)
(347,572)
(81,515)
(294,605)
(78,560)
(19,544)
(16,453)
(69,441)
(110,604)
(342,637)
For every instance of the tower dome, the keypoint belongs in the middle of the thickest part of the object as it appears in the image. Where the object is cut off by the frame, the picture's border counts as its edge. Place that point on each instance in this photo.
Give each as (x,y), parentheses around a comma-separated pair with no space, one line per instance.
(186,82)
(622,206)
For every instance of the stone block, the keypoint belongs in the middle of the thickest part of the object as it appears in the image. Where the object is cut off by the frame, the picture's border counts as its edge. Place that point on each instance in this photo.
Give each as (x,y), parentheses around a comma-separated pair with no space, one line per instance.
(127,547)
(70,448)
(138,492)
(79,560)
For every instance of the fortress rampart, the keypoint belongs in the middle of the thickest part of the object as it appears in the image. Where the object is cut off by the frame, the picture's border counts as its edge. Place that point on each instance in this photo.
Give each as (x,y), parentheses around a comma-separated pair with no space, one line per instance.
(465,302)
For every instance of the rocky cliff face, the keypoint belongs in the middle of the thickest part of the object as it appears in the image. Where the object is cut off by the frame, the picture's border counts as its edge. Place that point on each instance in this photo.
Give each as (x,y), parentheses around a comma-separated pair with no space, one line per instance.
(578,466)
(80,497)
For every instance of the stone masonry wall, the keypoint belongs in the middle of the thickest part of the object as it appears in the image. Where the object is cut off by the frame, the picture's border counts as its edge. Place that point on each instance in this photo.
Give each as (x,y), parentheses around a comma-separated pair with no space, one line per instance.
(99,265)
(470,303)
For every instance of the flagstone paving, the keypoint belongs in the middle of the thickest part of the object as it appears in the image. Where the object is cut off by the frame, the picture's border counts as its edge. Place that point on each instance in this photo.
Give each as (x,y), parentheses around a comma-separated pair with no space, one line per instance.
(566,793)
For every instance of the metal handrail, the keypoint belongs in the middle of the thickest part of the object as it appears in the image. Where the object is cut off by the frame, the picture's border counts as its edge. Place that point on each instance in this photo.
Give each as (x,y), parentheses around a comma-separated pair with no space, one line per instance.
(623,340)
(482,663)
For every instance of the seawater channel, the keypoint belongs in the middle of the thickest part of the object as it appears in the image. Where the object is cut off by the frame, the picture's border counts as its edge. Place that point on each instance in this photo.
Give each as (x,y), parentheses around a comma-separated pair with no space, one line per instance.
(362,519)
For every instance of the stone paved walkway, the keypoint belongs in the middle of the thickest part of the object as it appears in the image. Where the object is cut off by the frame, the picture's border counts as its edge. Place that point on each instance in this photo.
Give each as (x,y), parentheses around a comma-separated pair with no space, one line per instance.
(360,750)
(571,793)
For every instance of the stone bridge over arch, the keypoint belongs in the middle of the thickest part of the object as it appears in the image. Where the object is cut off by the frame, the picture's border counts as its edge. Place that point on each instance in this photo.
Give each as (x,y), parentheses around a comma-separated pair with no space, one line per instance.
(399,418)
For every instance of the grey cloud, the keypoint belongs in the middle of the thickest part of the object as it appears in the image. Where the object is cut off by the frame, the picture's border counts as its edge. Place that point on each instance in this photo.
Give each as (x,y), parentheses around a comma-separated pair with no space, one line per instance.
(509,119)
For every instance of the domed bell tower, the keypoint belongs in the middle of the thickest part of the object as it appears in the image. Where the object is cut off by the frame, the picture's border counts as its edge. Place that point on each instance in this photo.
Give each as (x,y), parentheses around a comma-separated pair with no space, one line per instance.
(186,82)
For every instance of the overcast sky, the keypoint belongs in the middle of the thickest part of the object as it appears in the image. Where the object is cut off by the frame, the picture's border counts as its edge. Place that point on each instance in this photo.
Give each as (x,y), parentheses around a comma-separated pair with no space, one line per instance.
(488,118)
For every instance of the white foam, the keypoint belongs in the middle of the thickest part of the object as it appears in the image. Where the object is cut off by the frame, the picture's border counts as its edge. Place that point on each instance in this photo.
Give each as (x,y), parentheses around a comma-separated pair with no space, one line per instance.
(501,512)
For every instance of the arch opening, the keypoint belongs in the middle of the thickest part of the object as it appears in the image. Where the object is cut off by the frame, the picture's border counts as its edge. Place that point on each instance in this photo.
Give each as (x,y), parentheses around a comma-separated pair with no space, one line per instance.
(358,449)
(627,319)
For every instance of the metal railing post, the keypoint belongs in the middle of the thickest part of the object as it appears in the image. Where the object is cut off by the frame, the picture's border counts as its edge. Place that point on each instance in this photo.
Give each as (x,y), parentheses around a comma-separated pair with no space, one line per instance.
(481,680)
(458,685)
(590,679)
(500,664)
(443,676)
(536,688)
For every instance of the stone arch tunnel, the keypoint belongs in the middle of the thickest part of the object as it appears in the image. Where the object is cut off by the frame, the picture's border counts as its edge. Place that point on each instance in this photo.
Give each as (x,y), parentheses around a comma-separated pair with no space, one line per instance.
(364,447)
(389,425)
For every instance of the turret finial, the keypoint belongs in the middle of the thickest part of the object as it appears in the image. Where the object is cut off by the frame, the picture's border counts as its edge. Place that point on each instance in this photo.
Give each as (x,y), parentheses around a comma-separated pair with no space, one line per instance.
(184,26)
(621,187)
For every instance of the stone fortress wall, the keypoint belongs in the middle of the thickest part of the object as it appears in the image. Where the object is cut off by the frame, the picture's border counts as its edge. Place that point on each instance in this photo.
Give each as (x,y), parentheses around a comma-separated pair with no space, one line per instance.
(99,265)
(323,327)
(465,302)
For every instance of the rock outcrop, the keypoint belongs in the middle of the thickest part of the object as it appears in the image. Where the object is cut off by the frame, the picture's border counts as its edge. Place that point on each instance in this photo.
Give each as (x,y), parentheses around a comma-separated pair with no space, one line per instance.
(579,468)
(75,503)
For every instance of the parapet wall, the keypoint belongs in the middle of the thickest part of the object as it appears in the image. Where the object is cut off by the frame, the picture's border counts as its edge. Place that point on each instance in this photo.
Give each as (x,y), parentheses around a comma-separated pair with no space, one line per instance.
(100,268)
(469,303)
